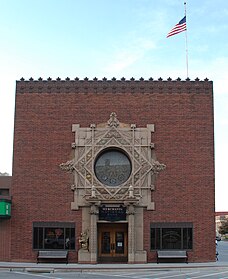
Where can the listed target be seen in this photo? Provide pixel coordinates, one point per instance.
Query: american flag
(178, 28)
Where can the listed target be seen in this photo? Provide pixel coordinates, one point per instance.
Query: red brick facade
(182, 112)
(5, 194)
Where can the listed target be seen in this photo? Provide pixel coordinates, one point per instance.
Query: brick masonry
(182, 112)
(5, 224)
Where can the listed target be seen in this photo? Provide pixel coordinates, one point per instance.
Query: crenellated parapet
(115, 86)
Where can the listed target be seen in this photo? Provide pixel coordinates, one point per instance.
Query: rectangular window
(53, 235)
(4, 192)
(171, 236)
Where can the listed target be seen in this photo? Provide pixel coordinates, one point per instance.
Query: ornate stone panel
(134, 143)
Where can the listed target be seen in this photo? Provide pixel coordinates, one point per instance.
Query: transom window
(53, 236)
(171, 236)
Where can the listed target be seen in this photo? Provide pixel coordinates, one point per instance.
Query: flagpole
(186, 40)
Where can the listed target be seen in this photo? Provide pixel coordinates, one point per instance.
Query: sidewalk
(50, 267)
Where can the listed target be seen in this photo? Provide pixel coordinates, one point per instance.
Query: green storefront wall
(5, 209)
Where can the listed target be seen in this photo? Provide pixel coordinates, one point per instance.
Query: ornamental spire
(113, 121)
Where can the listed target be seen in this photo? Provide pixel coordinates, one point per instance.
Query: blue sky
(114, 38)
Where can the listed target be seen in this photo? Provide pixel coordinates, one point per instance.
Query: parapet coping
(112, 79)
(104, 86)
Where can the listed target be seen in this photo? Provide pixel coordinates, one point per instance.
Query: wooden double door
(112, 242)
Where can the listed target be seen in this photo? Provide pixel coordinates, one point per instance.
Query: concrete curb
(51, 268)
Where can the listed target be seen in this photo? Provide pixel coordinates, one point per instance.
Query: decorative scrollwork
(73, 187)
(68, 166)
(94, 210)
(130, 210)
(157, 167)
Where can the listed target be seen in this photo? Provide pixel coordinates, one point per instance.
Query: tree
(223, 229)
(4, 174)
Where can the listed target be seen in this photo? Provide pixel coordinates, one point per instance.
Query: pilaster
(93, 232)
(131, 233)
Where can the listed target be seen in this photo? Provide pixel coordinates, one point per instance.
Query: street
(222, 248)
(220, 271)
(185, 273)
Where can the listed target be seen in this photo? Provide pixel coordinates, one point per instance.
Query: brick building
(113, 170)
(5, 214)
(220, 217)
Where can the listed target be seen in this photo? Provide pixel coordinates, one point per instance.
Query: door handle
(113, 246)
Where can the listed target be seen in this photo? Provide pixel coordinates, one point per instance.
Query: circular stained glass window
(112, 167)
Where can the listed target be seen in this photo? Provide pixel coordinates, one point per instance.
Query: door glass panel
(105, 243)
(119, 242)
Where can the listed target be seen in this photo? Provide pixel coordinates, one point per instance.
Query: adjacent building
(5, 214)
(220, 217)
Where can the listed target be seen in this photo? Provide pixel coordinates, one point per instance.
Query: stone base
(140, 257)
(84, 256)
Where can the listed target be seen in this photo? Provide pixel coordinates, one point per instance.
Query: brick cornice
(114, 86)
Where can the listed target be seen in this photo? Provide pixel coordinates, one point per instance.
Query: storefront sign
(112, 213)
(5, 209)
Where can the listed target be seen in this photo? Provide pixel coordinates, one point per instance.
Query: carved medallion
(111, 158)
